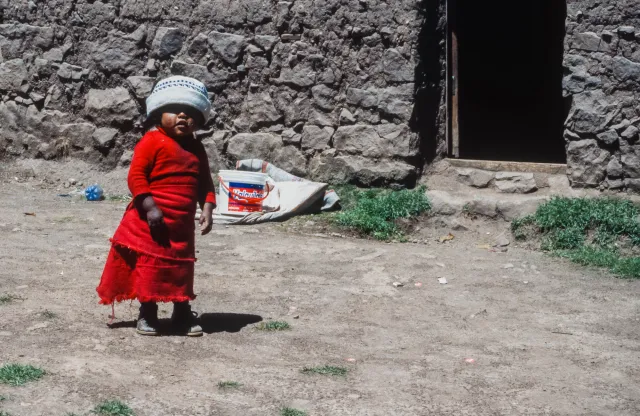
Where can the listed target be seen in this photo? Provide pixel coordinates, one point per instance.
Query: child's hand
(206, 218)
(155, 217)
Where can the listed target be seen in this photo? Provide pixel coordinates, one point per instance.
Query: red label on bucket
(238, 194)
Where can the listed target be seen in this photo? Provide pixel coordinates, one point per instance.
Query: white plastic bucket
(241, 192)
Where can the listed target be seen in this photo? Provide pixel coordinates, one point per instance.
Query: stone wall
(322, 88)
(602, 82)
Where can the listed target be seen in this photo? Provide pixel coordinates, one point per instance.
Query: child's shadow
(210, 322)
(226, 322)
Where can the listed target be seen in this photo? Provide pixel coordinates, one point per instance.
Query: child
(152, 254)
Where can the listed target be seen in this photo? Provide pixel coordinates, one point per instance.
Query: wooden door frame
(452, 96)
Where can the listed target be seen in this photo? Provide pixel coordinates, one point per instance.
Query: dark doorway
(509, 85)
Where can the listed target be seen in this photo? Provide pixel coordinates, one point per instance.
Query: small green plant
(3, 413)
(598, 232)
(49, 315)
(113, 408)
(274, 326)
(288, 411)
(3, 398)
(373, 211)
(327, 370)
(119, 198)
(63, 220)
(5, 299)
(18, 374)
(229, 385)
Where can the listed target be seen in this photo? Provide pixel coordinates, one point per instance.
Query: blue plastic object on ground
(94, 193)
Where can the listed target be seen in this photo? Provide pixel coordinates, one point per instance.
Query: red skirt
(138, 266)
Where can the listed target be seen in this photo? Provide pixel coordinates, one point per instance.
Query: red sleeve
(144, 156)
(206, 189)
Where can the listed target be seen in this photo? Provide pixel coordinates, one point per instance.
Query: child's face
(180, 121)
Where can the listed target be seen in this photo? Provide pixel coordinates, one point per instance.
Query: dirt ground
(515, 333)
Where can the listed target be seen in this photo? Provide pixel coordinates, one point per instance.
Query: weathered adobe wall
(602, 79)
(321, 88)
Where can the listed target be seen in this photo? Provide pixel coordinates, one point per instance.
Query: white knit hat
(180, 90)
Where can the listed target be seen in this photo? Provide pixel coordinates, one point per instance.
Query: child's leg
(148, 319)
(184, 320)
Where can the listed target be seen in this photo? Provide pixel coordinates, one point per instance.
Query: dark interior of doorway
(510, 79)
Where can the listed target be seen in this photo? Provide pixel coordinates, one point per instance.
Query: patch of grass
(602, 232)
(118, 198)
(326, 370)
(49, 315)
(5, 299)
(229, 385)
(288, 411)
(3, 413)
(372, 212)
(274, 326)
(18, 374)
(63, 220)
(113, 408)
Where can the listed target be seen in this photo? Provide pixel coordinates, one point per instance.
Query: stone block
(118, 53)
(13, 74)
(104, 137)
(299, 77)
(78, 135)
(633, 185)
(260, 110)
(609, 137)
(443, 203)
(266, 42)
(512, 209)
(625, 69)
(317, 138)
(110, 106)
(614, 168)
(515, 182)
(485, 207)
(253, 146)
(213, 79)
(359, 170)
(631, 165)
(475, 177)
(630, 134)
(125, 159)
(589, 111)
(590, 42)
(395, 67)
(290, 159)
(362, 98)
(142, 86)
(323, 97)
(346, 118)
(167, 42)
(227, 46)
(68, 72)
(586, 163)
(384, 140)
(290, 136)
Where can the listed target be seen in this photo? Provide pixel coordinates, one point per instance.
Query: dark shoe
(185, 321)
(148, 319)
